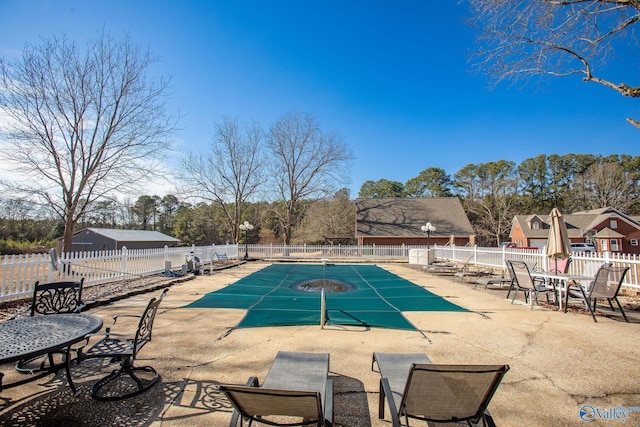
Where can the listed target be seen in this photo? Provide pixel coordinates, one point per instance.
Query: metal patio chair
(124, 348)
(605, 285)
(522, 280)
(52, 298)
(414, 388)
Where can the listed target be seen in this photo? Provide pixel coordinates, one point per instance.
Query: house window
(633, 242)
(614, 245)
(604, 245)
(614, 224)
(535, 225)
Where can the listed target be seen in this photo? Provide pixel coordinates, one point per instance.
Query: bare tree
(231, 173)
(306, 164)
(607, 184)
(329, 221)
(489, 191)
(524, 38)
(82, 123)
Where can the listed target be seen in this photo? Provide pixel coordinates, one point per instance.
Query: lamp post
(246, 227)
(428, 228)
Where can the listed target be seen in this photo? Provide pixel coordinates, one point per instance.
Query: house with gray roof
(98, 239)
(397, 221)
(609, 229)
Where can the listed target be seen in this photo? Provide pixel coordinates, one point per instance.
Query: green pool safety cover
(289, 294)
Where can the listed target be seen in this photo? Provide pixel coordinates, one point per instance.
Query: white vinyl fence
(18, 273)
(536, 258)
(341, 252)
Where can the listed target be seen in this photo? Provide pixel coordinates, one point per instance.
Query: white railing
(342, 252)
(536, 258)
(18, 273)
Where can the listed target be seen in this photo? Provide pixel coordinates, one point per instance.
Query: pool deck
(559, 361)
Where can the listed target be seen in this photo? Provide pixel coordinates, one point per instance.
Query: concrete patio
(559, 362)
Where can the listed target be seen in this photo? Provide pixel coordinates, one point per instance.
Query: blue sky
(393, 79)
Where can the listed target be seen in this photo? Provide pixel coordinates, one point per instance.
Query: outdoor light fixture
(246, 227)
(428, 228)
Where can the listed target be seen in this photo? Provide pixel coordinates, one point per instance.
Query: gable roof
(131, 235)
(607, 233)
(403, 217)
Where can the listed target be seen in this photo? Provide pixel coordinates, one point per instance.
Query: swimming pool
(356, 294)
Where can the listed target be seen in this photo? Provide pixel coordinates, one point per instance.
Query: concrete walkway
(559, 362)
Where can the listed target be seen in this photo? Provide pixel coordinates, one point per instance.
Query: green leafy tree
(169, 206)
(560, 178)
(431, 182)
(380, 189)
(534, 179)
(145, 210)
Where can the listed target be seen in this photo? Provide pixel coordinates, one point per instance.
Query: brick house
(608, 228)
(397, 221)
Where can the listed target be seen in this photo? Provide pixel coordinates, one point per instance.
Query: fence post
(504, 258)
(51, 273)
(124, 260)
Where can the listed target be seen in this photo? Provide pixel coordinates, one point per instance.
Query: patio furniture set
(597, 282)
(43, 342)
(297, 385)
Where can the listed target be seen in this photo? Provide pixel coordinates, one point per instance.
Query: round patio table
(30, 337)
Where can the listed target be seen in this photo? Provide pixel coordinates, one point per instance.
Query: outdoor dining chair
(52, 298)
(128, 380)
(606, 285)
(522, 280)
(414, 388)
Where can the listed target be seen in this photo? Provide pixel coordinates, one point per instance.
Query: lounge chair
(447, 268)
(415, 388)
(296, 386)
(606, 285)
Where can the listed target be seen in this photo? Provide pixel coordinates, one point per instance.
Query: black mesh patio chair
(52, 298)
(605, 285)
(128, 380)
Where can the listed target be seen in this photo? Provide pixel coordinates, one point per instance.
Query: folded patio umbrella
(558, 244)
